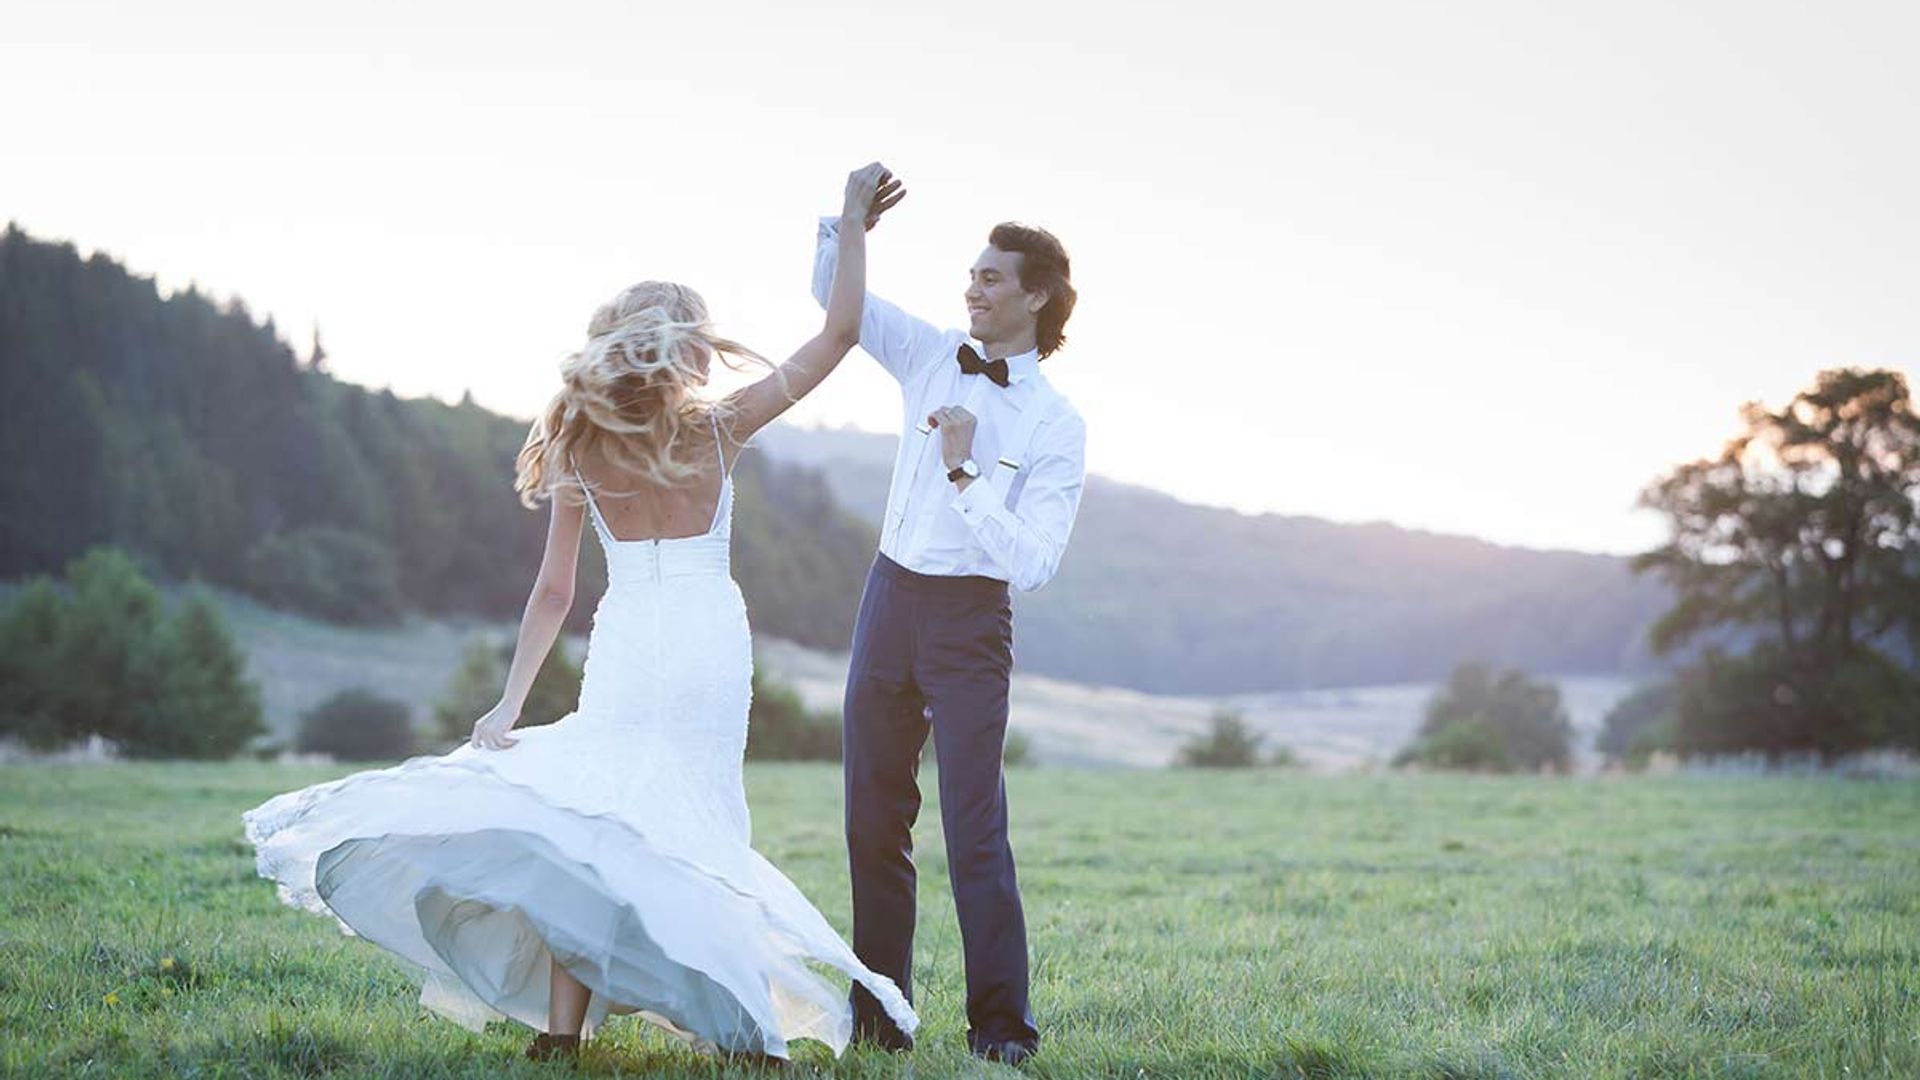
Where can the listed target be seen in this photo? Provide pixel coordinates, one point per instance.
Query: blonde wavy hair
(629, 393)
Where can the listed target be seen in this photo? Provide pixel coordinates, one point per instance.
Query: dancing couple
(602, 864)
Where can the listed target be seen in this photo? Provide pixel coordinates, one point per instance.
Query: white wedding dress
(615, 839)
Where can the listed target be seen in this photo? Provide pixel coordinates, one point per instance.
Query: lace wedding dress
(615, 839)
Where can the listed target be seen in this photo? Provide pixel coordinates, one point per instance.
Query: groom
(986, 484)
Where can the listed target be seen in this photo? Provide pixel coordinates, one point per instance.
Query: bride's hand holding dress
(490, 731)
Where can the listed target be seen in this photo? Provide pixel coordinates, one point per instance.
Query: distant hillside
(1167, 597)
(187, 433)
(192, 435)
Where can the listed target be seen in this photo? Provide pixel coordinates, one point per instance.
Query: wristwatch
(965, 468)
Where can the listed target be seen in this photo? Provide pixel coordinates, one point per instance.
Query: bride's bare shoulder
(624, 469)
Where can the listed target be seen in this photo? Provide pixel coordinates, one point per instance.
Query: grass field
(1183, 925)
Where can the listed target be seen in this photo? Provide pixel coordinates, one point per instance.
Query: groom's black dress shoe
(1011, 1053)
(883, 1036)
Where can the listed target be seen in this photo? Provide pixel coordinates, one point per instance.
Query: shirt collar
(1019, 366)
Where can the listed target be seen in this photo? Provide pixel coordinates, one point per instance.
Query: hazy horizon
(1480, 270)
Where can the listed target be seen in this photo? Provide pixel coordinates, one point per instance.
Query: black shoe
(545, 1047)
(883, 1036)
(1011, 1053)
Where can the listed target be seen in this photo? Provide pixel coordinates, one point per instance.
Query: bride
(601, 864)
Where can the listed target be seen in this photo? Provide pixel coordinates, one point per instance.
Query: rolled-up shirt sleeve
(1026, 542)
(902, 343)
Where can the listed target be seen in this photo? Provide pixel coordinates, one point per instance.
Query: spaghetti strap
(723, 504)
(593, 507)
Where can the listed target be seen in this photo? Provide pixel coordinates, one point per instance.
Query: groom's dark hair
(1043, 268)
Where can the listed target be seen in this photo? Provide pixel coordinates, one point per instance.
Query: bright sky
(1483, 268)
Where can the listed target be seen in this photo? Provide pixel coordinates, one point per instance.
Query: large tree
(1803, 539)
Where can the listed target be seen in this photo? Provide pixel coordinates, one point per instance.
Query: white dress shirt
(1012, 522)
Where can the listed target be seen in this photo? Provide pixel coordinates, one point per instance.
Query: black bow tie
(971, 364)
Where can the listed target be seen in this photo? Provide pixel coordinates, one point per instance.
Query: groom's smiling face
(999, 310)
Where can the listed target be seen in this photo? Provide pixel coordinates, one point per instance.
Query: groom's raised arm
(903, 344)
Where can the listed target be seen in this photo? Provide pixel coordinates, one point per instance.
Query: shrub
(1497, 723)
(1018, 749)
(1472, 745)
(781, 728)
(1228, 744)
(482, 676)
(475, 688)
(357, 725)
(1639, 725)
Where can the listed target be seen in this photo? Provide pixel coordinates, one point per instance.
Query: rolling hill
(1164, 596)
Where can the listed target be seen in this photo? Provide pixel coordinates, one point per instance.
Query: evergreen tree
(203, 705)
(104, 671)
(108, 660)
(31, 632)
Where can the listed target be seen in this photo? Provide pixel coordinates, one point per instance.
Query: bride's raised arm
(871, 192)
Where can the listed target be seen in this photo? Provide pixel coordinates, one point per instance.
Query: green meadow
(1183, 924)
